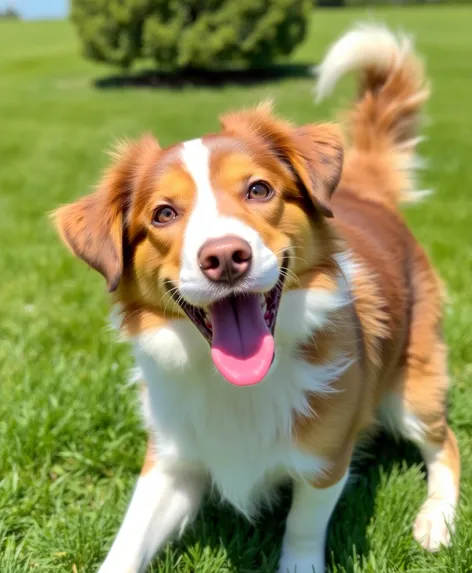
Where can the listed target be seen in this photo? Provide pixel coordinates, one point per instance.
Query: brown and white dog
(278, 307)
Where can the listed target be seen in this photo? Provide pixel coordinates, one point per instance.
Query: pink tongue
(242, 347)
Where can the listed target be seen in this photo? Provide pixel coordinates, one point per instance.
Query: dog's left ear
(93, 227)
(314, 152)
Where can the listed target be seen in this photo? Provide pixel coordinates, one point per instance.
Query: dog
(278, 307)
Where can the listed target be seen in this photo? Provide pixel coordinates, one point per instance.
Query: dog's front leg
(165, 499)
(303, 548)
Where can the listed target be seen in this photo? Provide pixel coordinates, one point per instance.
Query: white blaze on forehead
(195, 156)
(205, 222)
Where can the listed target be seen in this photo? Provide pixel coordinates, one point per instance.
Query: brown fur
(392, 330)
(314, 152)
(143, 176)
(397, 294)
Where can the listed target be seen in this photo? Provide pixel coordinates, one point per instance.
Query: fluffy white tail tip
(365, 46)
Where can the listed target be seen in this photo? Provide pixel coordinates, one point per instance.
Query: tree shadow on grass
(205, 78)
(256, 548)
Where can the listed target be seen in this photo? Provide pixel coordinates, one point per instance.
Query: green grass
(71, 442)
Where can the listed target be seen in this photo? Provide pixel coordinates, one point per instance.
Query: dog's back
(405, 334)
(379, 170)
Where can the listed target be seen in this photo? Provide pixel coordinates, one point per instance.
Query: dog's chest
(242, 436)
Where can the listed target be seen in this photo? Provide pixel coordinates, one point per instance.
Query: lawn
(71, 442)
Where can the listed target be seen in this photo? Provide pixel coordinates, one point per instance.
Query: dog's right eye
(163, 215)
(259, 191)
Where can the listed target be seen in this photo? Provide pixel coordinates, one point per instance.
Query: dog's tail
(383, 123)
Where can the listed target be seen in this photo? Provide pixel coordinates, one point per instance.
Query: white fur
(207, 223)
(370, 46)
(441, 481)
(435, 521)
(243, 436)
(305, 535)
(366, 46)
(164, 501)
(400, 421)
(240, 437)
(303, 312)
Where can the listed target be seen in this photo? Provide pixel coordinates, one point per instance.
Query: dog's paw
(301, 562)
(434, 524)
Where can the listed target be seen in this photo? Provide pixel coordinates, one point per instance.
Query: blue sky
(38, 9)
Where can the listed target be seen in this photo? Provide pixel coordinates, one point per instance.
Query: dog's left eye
(163, 215)
(259, 191)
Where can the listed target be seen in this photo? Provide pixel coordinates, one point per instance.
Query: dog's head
(213, 229)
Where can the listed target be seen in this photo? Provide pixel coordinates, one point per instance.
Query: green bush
(179, 34)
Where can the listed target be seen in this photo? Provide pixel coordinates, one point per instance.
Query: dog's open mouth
(240, 330)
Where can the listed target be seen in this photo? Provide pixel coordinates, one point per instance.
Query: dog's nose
(225, 260)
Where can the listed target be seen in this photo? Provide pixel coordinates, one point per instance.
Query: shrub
(179, 34)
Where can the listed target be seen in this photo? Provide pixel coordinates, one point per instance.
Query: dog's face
(213, 229)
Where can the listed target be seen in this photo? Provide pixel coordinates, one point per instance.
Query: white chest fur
(241, 436)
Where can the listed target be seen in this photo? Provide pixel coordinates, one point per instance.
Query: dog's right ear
(93, 226)
(313, 152)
